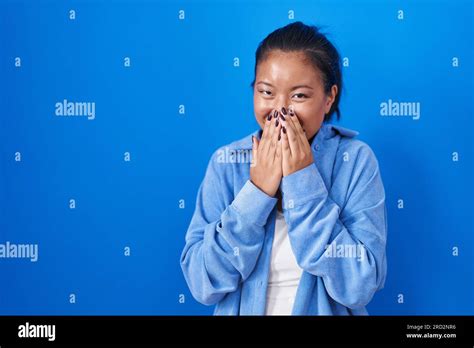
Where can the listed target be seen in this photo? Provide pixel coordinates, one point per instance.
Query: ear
(331, 98)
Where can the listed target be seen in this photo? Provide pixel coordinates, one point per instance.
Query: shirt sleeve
(345, 246)
(225, 236)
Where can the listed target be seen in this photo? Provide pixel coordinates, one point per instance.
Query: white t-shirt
(285, 272)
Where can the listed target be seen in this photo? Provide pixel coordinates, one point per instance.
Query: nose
(282, 102)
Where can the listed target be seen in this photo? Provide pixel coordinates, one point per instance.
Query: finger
(266, 125)
(288, 119)
(275, 136)
(254, 151)
(290, 132)
(269, 151)
(279, 148)
(265, 133)
(285, 145)
(296, 123)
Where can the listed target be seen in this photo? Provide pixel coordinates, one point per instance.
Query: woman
(302, 229)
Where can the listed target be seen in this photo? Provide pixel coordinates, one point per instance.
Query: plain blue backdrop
(190, 62)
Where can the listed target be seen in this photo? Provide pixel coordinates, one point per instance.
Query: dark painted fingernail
(284, 129)
(292, 113)
(279, 137)
(283, 110)
(269, 117)
(275, 114)
(276, 123)
(283, 117)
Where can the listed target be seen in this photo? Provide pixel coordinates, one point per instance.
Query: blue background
(190, 62)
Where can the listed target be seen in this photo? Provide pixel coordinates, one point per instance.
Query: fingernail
(284, 129)
(269, 117)
(283, 110)
(283, 117)
(276, 123)
(292, 113)
(279, 137)
(275, 114)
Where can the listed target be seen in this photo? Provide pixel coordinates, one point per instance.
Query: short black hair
(298, 36)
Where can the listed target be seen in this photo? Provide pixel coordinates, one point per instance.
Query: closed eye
(264, 91)
(269, 93)
(302, 95)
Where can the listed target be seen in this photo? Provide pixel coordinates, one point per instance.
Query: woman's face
(288, 78)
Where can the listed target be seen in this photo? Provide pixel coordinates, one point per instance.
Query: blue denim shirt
(337, 225)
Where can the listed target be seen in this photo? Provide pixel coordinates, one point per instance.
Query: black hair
(319, 50)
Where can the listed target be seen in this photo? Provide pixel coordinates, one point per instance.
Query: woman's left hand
(296, 150)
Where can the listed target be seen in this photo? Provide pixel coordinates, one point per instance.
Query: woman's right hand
(266, 168)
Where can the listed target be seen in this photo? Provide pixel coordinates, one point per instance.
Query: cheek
(306, 116)
(260, 110)
(310, 117)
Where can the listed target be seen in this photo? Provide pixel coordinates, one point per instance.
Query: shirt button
(317, 147)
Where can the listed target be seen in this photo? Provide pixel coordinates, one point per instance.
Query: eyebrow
(293, 88)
